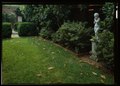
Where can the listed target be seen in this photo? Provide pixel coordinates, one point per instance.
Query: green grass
(26, 61)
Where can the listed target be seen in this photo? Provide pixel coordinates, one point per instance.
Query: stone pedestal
(93, 52)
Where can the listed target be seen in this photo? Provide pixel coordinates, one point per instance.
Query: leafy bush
(52, 16)
(74, 35)
(47, 30)
(27, 29)
(105, 48)
(47, 16)
(6, 30)
(108, 10)
(46, 33)
(18, 12)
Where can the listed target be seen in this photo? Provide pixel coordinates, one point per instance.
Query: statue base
(93, 52)
(94, 57)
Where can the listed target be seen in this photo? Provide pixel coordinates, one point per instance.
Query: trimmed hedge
(27, 29)
(6, 30)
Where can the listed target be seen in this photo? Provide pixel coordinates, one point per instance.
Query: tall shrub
(42, 14)
(105, 48)
(6, 30)
(108, 22)
(27, 29)
(49, 18)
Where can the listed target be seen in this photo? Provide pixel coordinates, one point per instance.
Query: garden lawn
(33, 60)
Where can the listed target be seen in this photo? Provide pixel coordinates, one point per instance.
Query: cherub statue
(96, 22)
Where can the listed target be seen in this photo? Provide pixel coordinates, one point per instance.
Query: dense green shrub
(16, 26)
(47, 16)
(105, 48)
(74, 35)
(6, 30)
(27, 29)
(46, 33)
(18, 12)
(108, 22)
(51, 17)
(47, 30)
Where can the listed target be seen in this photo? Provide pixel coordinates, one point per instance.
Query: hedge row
(6, 30)
(23, 29)
(26, 29)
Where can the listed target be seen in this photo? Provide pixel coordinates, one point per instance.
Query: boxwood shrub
(6, 30)
(27, 29)
(74, 35)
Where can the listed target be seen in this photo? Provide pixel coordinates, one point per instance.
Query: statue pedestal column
(94, 54)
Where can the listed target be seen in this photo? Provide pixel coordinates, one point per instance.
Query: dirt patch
(99, 65)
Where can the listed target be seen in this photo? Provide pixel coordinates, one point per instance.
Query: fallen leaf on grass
(52, 52)
(80, 60)
(39, 75)
(81, 73)
(102, 76)
(50, 68)
(94, 73)
(64, 65)
(65, 49)
(59, 81)
(43, 48)
(70, 77)
(102, 81)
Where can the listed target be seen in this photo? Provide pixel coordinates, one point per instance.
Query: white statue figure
(96, 28)
(96, 22)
